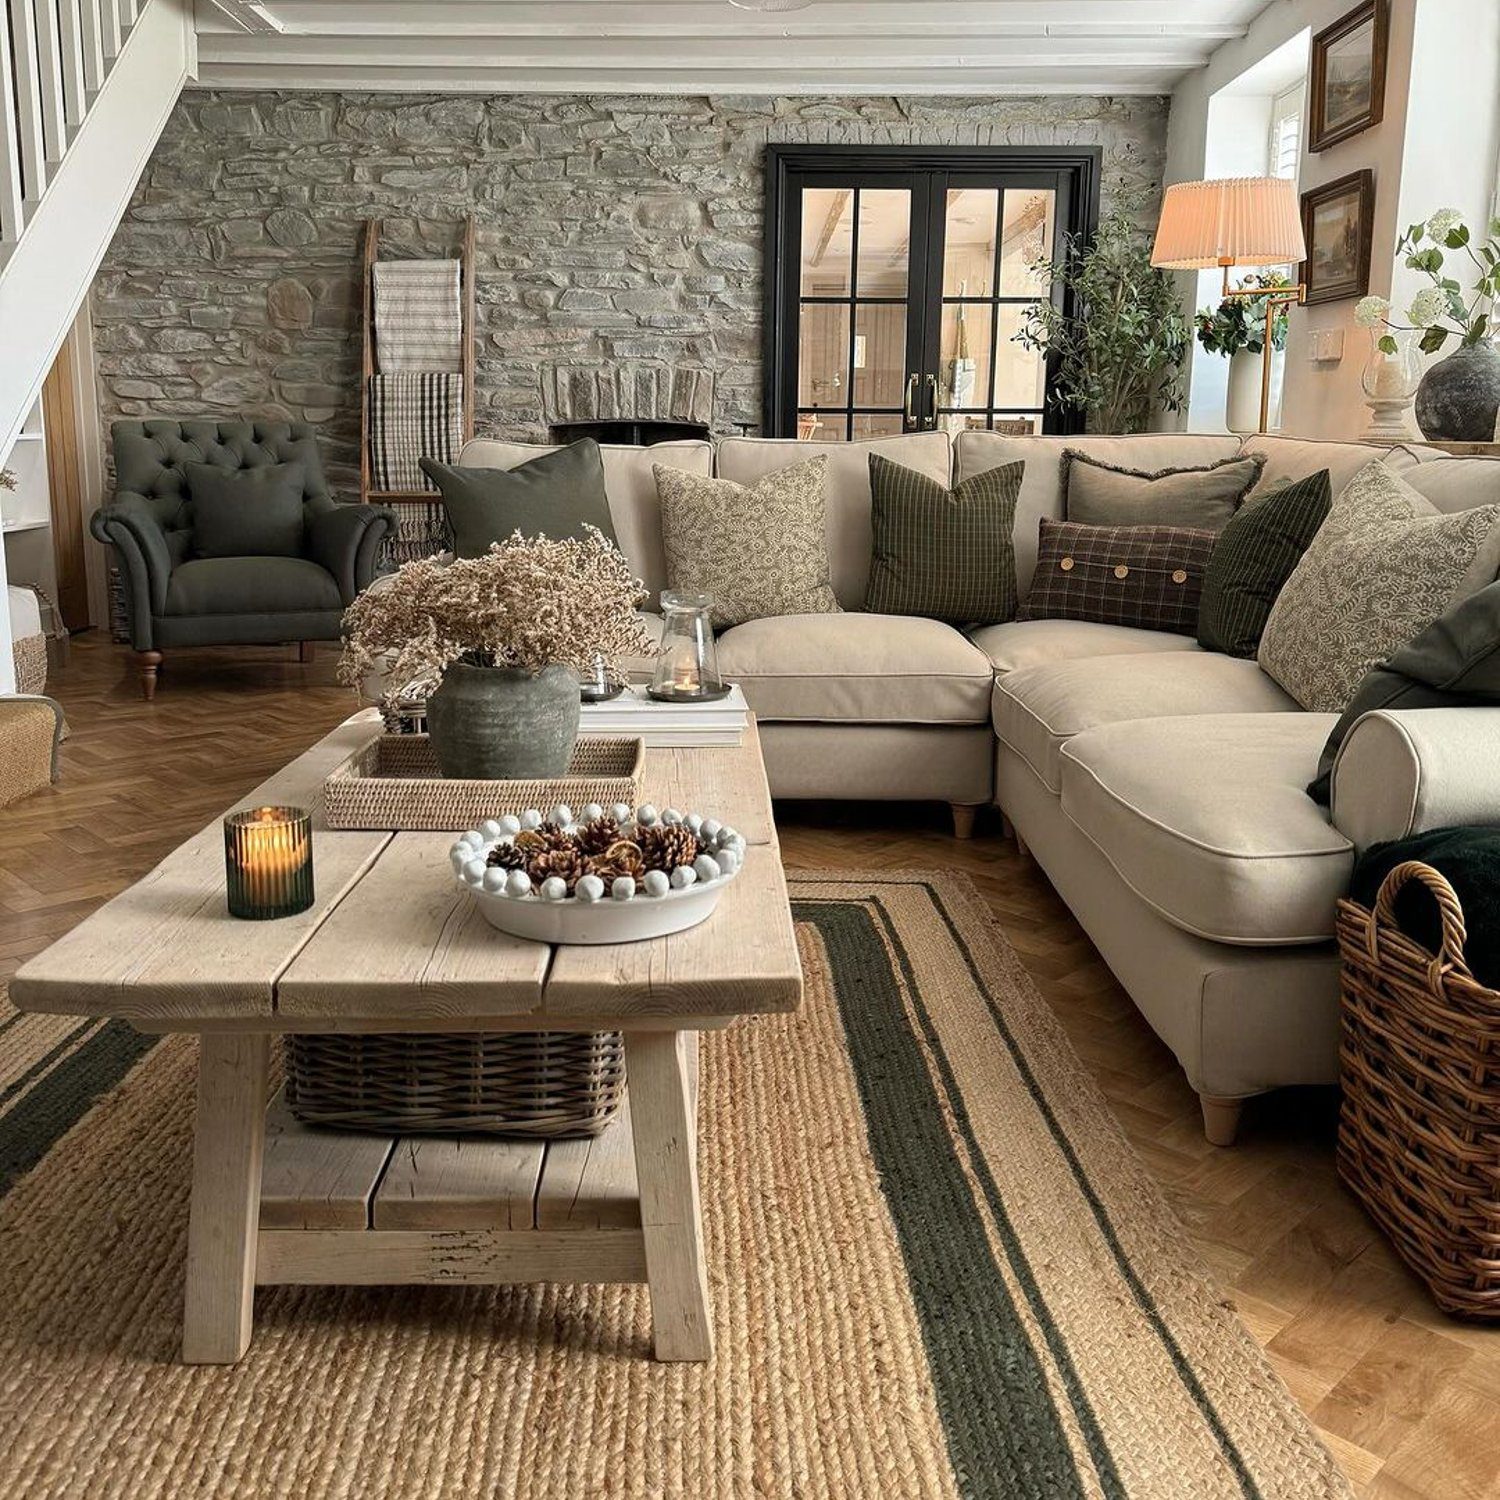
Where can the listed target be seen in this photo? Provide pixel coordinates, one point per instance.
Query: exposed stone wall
(612, 230)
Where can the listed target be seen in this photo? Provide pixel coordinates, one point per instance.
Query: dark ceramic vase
(1458, 397)
(501, 724)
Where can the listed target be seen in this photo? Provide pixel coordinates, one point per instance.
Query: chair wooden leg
(964, 814)
(1221, 1118)
(304, 650)
(148, 662)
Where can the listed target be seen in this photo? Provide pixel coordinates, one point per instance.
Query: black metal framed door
(896, 278)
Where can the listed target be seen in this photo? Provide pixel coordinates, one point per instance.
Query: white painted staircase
(86, 87)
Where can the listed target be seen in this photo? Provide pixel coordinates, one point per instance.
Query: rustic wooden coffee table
(392, 945)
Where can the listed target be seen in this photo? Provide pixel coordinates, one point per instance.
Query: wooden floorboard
(1408, 1399)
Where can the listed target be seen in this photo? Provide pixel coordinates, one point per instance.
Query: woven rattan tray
(392, 782)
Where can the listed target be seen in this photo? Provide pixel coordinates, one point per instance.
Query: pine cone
(664, 846)
(596, 837)
(508, 857)
(621, 858)
(567, 863)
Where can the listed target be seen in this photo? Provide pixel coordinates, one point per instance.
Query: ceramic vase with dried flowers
(497, 644)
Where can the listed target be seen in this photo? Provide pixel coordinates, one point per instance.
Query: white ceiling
(710, 46)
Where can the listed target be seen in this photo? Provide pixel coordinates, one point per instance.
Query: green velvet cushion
(1454, 663)
(247, 512)
(556, 496)
(1257, 551)
(251, 586)
(945, 554)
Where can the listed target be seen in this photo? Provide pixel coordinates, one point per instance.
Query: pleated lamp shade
(1232, 221)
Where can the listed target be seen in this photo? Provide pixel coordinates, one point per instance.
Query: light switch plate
(1326, 345)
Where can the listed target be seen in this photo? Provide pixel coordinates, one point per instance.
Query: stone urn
(502, 723)
(1459, 396)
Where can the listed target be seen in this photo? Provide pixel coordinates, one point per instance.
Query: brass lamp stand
(1281, 297)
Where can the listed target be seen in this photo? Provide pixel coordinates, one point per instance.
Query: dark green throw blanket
(1469, 859)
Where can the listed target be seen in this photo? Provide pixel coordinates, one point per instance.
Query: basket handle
(1451, 952)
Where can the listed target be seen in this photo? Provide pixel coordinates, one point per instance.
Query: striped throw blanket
(418, 320)
(413, 415)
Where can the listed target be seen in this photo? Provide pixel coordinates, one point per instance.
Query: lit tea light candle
(268, 862)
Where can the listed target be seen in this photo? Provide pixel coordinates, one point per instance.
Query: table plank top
(392, 943)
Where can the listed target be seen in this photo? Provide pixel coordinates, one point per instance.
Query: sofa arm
(346, 539)
(129, 525)
(1404, 771)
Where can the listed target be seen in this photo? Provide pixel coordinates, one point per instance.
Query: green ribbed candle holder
(268, 868)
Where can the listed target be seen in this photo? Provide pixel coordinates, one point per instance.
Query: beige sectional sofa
(1158, 785)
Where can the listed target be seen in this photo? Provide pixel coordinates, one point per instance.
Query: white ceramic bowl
(629, 918)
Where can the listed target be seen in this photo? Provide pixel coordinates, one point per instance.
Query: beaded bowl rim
(473, 847)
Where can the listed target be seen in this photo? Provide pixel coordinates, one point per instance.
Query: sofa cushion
(1039, 709)
(1041, 485)
(1456, 483)
(629, 486)
(1383, 567)
(247, 512)
(1029, 643)
(251, 586)
(858, 668)
(1289, 459)
(748, 460)
(754, 551)
(948, 554)
(554, 495)
(1203, 496)
(1147, 577)
(1205, 818)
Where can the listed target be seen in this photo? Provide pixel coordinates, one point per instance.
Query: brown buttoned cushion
(1150, 577)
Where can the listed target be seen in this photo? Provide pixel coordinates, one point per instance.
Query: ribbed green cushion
(946, 554)
(1257, 551)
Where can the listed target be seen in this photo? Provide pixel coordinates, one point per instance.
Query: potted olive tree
(496, 644)
(1118, 338)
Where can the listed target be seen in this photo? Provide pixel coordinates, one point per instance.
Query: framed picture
(1336, 223)
(1348, 76)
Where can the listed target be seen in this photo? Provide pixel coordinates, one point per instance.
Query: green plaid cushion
(1257, 552)
(946, 554)
(1146, 576)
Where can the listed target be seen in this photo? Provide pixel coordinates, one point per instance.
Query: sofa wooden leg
(964, 814)
(304, 650)
(1221, 1118)
(148, 662)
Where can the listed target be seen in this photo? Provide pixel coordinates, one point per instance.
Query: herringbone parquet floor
(1409, 1400)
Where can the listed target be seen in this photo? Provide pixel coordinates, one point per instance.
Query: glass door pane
(996, 243)
(853, 327)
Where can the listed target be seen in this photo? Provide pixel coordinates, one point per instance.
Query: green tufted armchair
(175, 599)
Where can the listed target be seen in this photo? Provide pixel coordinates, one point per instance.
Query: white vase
(1242, 403)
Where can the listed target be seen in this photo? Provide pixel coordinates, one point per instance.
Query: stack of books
(668, 725)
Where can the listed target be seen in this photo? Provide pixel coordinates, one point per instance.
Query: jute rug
(937, 1270)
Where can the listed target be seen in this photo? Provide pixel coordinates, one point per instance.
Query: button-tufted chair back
(150, 455)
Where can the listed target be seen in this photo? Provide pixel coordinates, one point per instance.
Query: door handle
(910, 407)
(932, 400)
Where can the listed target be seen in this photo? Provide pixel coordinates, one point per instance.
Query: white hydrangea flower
(1369, 312)
(1427, 307)
(1443, 223)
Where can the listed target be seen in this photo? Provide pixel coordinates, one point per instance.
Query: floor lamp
(1235, 221)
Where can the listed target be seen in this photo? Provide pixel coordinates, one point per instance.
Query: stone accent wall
(613, 231)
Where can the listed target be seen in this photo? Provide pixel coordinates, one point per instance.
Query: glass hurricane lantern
(687, 664)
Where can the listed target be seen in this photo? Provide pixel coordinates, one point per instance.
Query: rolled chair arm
(129, 525)
(346, 539)
(1405, 771)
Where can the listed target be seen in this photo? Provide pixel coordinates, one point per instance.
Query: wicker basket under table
(510, 1083)
(1419, 1131)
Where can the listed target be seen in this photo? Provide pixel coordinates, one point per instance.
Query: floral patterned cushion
(758, 551)
(1383, 567)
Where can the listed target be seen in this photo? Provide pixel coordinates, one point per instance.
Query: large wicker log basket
(1419, 1132)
